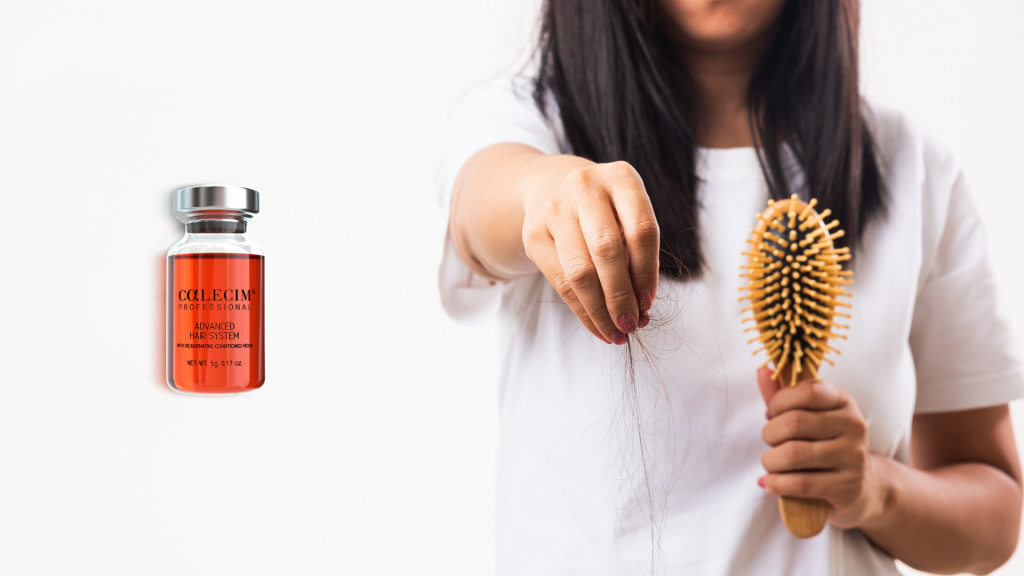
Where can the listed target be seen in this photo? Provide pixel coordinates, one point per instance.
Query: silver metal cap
(215, 201)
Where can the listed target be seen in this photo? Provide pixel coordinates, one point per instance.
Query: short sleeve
(492, 113)
(965, 342)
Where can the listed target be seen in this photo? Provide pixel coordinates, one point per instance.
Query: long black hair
(624, 94)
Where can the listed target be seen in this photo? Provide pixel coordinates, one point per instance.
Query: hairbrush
(795, 276)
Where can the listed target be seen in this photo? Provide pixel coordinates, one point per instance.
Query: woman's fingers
(545, 256)
(645, 317)
(807, 395)
(640, 230)
(804, 455)
(581, 273)
(821, 485)
(766, 385)
(804, 425)
(600, 230)
(820, 449)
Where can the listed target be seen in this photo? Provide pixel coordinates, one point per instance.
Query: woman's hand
(596, 240)
(588, 227)
(820, 450)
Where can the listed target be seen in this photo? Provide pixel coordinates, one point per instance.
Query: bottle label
(215, 332)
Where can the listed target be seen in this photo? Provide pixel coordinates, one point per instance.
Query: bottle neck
(216, 226)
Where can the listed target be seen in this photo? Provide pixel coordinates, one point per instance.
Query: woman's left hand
(820, 450)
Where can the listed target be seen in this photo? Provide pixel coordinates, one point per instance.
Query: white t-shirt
(931, 331)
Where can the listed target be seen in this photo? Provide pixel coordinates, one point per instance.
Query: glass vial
(215, 294)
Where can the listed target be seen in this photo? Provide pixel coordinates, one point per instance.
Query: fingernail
(768, 414)
(627, 322)
(618, 337)
(760, 481)
(643, 300)
(645, 319)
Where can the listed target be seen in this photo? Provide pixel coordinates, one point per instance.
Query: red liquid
(215, 324)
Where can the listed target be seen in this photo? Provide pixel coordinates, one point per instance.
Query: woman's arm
(956, 509)
(959, 508)
(589, 228)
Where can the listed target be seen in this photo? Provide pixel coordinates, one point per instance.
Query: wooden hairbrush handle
(803, 517)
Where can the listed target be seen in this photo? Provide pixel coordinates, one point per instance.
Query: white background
(371, 449)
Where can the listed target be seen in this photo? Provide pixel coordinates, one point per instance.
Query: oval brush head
(795, 276)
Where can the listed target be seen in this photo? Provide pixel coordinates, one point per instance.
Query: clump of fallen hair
(647, 500)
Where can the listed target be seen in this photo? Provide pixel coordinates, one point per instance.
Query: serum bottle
(215, 294)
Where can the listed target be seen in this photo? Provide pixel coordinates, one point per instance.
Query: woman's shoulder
(509, 106)
(929, 200)
(498, 111)
(519, 88)
(906, 146)
(510, 97)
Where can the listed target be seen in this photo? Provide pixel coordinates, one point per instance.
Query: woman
(616, 190)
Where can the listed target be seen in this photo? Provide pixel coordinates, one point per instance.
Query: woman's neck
(723, 81)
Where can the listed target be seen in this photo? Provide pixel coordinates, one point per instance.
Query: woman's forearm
(489, 200)
(957, 518)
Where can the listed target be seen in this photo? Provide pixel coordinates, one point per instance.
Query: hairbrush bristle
(796, 276)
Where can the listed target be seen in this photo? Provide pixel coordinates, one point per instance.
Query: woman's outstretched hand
(820, 450)
(596, 239)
